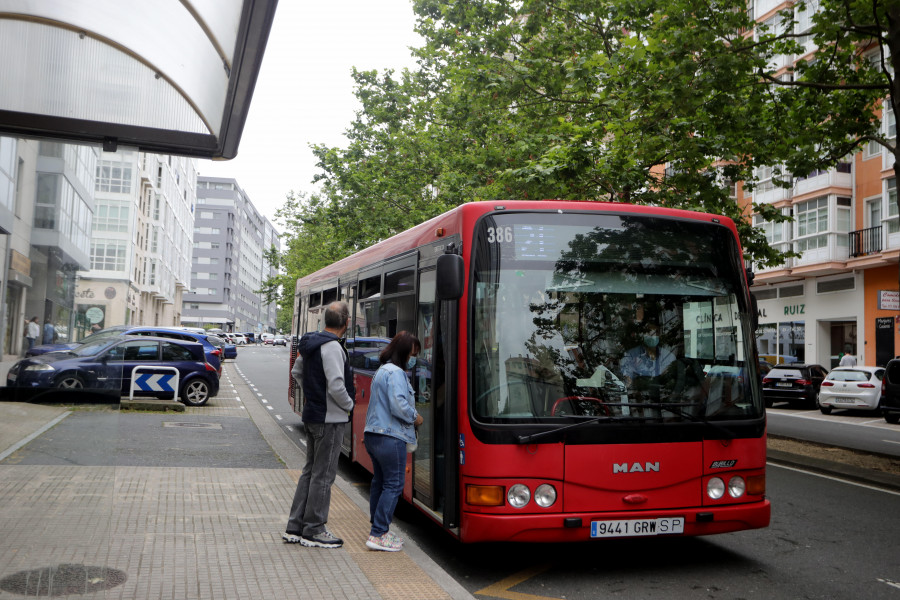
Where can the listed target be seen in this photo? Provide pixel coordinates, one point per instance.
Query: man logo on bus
(636, 467)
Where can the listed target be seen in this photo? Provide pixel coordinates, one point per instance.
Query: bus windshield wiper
(672, 408)
(524, 439)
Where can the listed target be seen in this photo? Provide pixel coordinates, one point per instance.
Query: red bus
(588, 369)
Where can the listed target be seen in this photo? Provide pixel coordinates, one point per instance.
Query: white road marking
(838, 479)
(279, 417)
(889, 582)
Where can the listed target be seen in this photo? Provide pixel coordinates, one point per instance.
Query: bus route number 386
(499, 235)
(637, 527)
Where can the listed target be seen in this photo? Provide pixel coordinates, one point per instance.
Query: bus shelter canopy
(167, 76)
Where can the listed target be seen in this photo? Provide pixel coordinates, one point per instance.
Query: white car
(851, 387)
(239, 339)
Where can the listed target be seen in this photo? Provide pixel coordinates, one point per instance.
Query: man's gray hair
(336, 315)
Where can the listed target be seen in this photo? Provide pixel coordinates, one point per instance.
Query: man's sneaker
(387, 542)
(326, 539)
(291, 538)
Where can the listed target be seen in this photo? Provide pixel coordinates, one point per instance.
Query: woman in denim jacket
(390, 424)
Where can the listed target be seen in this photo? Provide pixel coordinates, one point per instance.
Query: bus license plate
(633, 527)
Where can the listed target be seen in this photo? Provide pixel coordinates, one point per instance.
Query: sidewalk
(177, 533)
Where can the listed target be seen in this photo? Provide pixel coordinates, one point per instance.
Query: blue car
(106, 365)
(213, 345)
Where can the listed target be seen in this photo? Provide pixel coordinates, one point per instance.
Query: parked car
(229, 350)
(795, 383)
(239, 339)
(890, 399)
(851, 387)
(279, 340)
(212, 345)
(106, 364)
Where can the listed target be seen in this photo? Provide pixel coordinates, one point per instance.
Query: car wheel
(195, 392)
(70, 381)
(891, 417)
(825, 410)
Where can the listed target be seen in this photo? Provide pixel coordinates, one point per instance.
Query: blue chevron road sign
(154, 378)
(154, 382)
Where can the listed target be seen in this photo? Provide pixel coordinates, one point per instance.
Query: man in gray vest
(322, 370)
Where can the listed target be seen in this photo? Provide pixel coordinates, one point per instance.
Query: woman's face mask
(411, 362)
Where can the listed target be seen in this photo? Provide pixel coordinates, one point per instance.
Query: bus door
(428, 457)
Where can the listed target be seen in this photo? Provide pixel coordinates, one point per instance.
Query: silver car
(856, 388)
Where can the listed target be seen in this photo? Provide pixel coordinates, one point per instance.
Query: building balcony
(822, 181)
(864, 242)
(771, 194)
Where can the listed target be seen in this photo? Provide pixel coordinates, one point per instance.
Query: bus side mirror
(449, 276)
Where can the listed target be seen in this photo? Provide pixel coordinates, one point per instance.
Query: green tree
(644, 101)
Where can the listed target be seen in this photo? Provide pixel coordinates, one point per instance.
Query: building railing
(865, 241)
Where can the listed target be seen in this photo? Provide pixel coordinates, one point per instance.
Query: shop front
(815, 321)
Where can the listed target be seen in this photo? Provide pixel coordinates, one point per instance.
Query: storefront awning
(168, 76)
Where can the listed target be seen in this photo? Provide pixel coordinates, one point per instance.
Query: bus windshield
(632, 318)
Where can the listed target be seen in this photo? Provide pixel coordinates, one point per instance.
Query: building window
(790, 291)
(812, 224)
(835, 285)
(114, 177)
(45, 204)
(774, 232)
(112, 216)
(108, 255)
(873, 212)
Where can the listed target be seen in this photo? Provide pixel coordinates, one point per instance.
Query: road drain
(192, 425)
(62, 580)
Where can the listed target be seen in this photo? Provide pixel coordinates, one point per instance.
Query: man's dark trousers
(309, 511)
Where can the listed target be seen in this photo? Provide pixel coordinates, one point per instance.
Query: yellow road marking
(501, 588)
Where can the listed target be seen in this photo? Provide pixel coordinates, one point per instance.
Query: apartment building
(46, 204)
(140, 249)
(841, 294)
(229, 266)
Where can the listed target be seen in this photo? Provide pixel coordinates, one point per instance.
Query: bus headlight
(736, 486)
(518, 495)
(545, 495)
(715, 488)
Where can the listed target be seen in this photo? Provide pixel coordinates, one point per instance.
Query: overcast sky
(304, 94)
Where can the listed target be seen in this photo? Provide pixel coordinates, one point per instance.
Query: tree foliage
(645, 101)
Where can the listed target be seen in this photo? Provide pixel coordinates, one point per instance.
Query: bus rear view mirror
(449, 277)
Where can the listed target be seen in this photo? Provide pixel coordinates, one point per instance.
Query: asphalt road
(829, 538)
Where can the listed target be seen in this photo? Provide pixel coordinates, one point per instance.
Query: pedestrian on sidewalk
(389, 433)
(32, 331)
(49, 332)
(323, 372)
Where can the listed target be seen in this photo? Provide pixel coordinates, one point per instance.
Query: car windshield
(94, 346)
(849, 376)
(583, 315)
